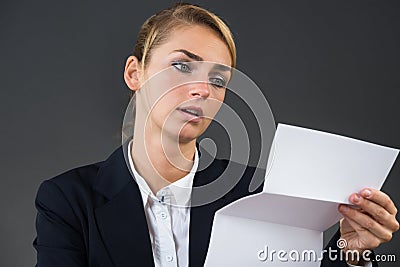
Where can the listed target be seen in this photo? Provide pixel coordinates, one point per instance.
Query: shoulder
(74, 181)
(223, 174)
(240, 173)
(78, 187)
(87, 187)
(251, 178)
(68, 197)
(64, 207)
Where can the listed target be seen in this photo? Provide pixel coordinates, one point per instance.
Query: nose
(200, 89)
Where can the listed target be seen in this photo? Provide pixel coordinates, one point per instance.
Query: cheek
(166, 105)
(221, 95)
(215, 101)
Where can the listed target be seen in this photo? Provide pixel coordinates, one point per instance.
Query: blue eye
(218, 82)
(183, 67)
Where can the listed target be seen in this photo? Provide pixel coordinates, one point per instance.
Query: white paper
(309, 173)
(318, 165)
(234, 246)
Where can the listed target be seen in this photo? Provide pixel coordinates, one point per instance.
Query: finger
(369, 240)
(345, 226)
(366, 222)
(377, 212)
(379, 198)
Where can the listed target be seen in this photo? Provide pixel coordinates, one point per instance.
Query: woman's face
(184, 94)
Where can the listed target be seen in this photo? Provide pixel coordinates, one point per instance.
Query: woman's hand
(370, 223)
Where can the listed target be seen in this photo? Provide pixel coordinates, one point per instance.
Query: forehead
(199, 40)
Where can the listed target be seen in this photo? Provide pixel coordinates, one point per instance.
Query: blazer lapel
(201, 217)
(121, 221)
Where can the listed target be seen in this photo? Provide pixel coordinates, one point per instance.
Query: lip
(191, 117)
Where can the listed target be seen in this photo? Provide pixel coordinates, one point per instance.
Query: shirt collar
(181, 189)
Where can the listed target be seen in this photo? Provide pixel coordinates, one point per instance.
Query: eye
(183, 67)
(218, 82)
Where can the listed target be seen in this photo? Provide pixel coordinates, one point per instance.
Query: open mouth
(195, 111)
(192, 112)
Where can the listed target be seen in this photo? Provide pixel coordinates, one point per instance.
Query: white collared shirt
(168, 216)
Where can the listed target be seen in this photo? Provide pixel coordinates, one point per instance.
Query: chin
(188, 134)
(188, 137)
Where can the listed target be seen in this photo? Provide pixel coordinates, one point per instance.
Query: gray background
(332, 66)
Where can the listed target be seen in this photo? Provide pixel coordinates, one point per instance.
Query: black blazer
(94, 216)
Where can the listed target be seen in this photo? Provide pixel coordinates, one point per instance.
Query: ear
(132, 73)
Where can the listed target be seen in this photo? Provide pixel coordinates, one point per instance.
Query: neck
(161, 160)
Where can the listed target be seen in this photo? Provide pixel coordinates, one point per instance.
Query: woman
(139, 214)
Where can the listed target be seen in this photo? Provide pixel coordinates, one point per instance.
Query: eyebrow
(195, 57)
(222, 67)
(190, 54)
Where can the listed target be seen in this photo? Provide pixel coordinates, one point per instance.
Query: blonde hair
(156, 29)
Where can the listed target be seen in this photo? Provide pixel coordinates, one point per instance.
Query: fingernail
(367, 193)
(356, 198)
